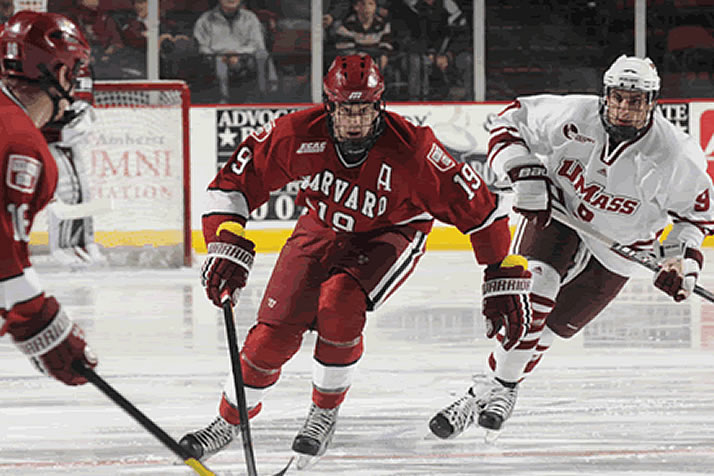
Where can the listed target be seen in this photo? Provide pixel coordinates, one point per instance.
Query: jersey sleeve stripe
(501, 138)
(496, 214)
(19, 288)
(704, 225)
(418, 218)
(514, 105)
(221, 201)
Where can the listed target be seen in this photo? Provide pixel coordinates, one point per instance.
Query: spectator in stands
(288, 28)
(432, 70)
(174, 46)
(333, 13)
(103, 35)
(232, 38)
(365, 31)
(294, 15)
(7, 8)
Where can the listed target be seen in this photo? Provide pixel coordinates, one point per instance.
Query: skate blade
(491, 436)
(303, 461)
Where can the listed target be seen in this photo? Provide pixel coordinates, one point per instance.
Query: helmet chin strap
(48, 81)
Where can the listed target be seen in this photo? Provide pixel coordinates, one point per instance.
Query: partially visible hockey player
(373, 184)
(615, 163)
(41, 54)
(71, 241)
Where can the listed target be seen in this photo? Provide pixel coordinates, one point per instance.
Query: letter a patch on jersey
(440, 158)
(23, 172)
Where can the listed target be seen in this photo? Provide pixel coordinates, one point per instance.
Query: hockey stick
(142, 419)
(66, 211)
(240, 388)
(631, 254)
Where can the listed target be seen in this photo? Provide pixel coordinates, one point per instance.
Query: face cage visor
(355, 127)
(623, 117)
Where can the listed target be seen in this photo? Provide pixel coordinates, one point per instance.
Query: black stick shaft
(135, 413)
(240, 388)
(622, 250)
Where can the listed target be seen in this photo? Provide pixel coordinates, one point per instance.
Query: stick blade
(285, 469)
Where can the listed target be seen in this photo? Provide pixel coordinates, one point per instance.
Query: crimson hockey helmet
(353, 78)
(35, 45)
(627, 74)
(353, 88)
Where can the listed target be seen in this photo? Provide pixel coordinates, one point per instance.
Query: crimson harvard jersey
(408, 178)
(29, 177)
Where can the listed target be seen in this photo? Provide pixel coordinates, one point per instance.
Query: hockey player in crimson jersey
(41, 54)
(615, 163)
(373, 184)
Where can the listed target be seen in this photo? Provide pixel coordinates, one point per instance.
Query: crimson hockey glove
(506, 299)
(530, 182)
(42, 331)
(680, 269)
(227, 265)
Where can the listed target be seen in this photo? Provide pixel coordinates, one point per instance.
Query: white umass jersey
(629, 193)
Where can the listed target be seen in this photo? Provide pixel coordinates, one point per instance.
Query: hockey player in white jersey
(615, 163)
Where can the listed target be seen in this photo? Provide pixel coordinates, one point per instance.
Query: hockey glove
(227, 264)
(680, 269)
(42, 331)
(506, 299)
(530, 182)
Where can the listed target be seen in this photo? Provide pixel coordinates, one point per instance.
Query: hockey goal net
(136, 157)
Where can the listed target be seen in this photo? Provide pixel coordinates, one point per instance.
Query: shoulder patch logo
(312, 147)
(439, 158)
(571, 132)
(23, 172)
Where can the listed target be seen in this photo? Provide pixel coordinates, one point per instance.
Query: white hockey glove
(681, 265)
(530, 183)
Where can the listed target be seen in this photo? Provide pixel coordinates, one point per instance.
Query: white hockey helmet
(630, 73)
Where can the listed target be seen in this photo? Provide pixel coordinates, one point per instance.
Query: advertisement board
(140, 168)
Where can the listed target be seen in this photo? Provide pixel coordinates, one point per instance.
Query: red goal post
(138, 155)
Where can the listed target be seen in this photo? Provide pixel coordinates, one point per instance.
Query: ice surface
(633, 394)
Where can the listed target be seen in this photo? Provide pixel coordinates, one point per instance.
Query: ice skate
(498, 409)
(314, 437)
(206, 442)
(486, 393)
(453, 420)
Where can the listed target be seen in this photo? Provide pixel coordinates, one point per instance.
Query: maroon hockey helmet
(353, 88)
(34, 45)
(353, 78)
